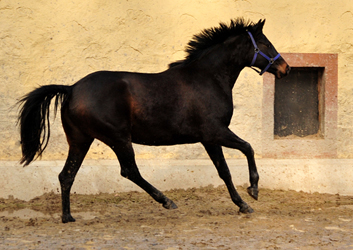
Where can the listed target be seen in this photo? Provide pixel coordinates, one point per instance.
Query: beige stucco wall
(59, 42)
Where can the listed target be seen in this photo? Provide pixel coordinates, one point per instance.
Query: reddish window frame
(323, 147)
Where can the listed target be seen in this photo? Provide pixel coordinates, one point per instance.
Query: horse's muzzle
(282, 70)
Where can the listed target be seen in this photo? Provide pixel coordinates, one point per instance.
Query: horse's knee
(247, 149)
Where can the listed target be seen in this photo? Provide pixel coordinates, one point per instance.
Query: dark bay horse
(190, 102)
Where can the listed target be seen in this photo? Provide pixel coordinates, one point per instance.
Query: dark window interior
(297, 102)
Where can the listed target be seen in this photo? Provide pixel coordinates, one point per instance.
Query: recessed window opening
(299, 104)
(308, 127)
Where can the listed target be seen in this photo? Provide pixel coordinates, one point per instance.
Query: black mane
(212, 36)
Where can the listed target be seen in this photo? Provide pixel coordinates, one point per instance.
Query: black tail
(34, 119)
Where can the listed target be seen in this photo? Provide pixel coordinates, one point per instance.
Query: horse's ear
(259, 26)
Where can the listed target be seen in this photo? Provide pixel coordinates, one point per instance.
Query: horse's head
(263, 54)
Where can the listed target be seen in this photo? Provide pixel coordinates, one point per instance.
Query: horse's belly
(159, 137)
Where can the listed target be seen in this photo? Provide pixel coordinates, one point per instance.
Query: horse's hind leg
(130, 171)
(77, 152)
(217, 157)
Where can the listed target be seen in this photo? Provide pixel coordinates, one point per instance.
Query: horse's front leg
(228, 139)
(217, 157)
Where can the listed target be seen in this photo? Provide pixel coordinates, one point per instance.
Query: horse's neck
(223, 75)
(220, 67)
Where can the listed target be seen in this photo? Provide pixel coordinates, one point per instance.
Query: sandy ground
(206, 219)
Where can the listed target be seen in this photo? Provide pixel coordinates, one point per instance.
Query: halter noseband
(258, 51)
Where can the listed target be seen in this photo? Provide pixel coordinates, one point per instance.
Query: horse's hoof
(67, 218)
(246, 209)
(253, 192)
(170, 205)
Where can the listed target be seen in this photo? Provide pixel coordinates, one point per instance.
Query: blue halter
(258, 51)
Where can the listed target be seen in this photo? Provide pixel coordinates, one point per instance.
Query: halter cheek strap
(258, 51)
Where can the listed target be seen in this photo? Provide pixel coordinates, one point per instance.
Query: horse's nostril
(288, 69)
